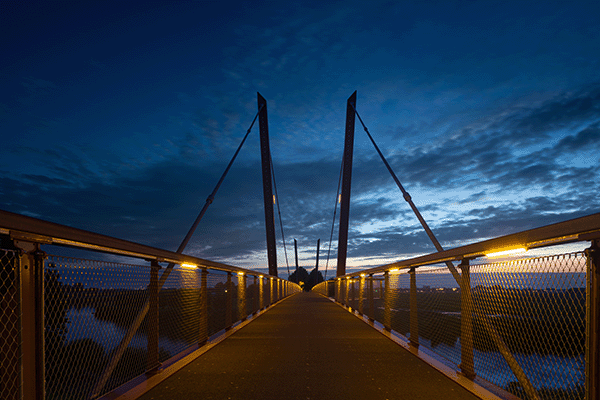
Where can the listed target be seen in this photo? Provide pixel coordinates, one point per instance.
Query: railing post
(241, 297)
(203, 334)
(467, 365)
(152, 363)
(414, 309)
(347, 293)
(593, 322)
(228, 303)
(387, 312)
(361, 294)
(261, 293)
(256, 295)
(380, 289)
(371, 300)
(32, 320)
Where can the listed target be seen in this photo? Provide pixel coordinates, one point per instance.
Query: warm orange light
(394, 271)
(506, 252)
(240, 273)
(184, 265)
(362, 275)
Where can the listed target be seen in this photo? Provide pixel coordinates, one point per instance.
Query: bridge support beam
(203, 333)
(346, 181)
(32, 320)
(593, 322)
(414, 309)
(265, 155)
(152, 363)
(467, 364)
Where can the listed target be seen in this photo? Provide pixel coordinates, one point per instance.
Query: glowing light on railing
(260, 276)
(240, 273)
(362, 275)
(185, 265)
(394, 271)
(506, 252)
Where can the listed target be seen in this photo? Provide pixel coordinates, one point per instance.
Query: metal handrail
(28, 234)
(35, 230)
(578, 229)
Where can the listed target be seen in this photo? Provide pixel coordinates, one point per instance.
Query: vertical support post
(256, 305)
(152, 363)
(265, 155)
(347, 293)
(467, 365)
(241, 297)
(336, 293)
(261, 292)
(296, 252)
(361, 294)
(387, 309)
(592, 357)
(317, 261)
(272, 290)
(228, 303)
(414, 309)
(203, 334)
(346, 182)
(371, 300)
(32, 320)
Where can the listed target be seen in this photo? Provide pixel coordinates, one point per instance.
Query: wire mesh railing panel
(179, 311)
(536, 307)
(396, 304)
(10, 326)
(217, 286)
(439, 312)
(89, 305)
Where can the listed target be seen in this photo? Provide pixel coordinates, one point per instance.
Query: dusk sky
(120, 117)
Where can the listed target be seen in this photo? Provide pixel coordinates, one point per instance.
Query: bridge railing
(524, 327)
(79, 328)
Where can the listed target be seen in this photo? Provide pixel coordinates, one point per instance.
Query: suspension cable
(334, 212)
(279, 212)
(211, 197)
(408, 199)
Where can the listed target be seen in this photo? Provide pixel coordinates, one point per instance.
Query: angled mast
(346, 181)
(265, 155)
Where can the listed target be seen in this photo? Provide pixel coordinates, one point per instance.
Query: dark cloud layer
(122, 123)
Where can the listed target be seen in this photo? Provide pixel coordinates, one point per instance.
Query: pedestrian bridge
(76, 322)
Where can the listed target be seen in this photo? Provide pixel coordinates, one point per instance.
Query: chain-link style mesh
(10, 331)
(530, 312)
(537, 307)
(91, 307)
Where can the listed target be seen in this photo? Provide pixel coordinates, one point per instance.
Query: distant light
(185, 265)
(340, 199)
(394, 271)
(506, 252)
(240, 273)
(274, 202)
(362, 275)
(260, 276)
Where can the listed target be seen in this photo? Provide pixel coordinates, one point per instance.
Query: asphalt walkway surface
(307, 347)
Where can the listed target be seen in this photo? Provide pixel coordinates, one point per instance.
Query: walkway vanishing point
(307, 347)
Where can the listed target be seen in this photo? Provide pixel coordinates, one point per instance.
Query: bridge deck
(307, 347)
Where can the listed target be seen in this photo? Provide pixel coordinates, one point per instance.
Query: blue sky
(119, 118)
